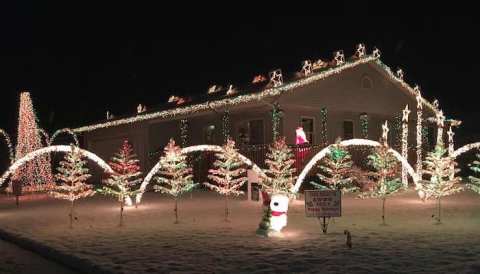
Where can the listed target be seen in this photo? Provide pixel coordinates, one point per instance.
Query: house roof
(251, 93)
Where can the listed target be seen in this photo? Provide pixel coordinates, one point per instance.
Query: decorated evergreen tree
(387, 181)
(474, 182)
(125, 176)
(280, 170)
(336, 171)
(228, 174)
(73, 176)
(35, 175)
(174, 177)
(438, 165)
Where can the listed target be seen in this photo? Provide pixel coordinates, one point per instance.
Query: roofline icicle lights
(269, 92)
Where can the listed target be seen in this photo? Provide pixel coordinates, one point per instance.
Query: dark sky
(77, 65)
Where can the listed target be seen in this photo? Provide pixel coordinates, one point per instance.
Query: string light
(184, 132)
(52, 149)
(67, 131)
(364, 125)
(419, 131)
(323, 123)
(8, 142)
(356, 142)
(276, 116)
(440, 124)
(405, 114)
(226, 125)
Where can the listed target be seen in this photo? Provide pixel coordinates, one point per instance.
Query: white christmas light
(47, 150)
(355, 142)
(339, 58)
(249, 97)
(440, 124)
(8, 142)
(360, 51)
(276, 78)
(465, 148)
(419, 131)
(307, 68)
(64, 130)
(406, 112)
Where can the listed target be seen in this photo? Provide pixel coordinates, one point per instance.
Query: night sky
(78, 65)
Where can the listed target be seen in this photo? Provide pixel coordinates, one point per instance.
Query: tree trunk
(176, 210)
(71, 214)
(121, 212)
(439, 208)
(226, 208)
(383, 211)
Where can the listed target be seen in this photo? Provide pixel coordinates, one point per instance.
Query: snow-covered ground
(202, 243)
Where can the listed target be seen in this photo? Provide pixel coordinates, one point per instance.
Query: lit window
(367, 82)
(347, 130)
(308, 127)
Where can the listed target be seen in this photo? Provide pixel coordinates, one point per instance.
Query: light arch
(190, 149)
(354, 142)
(466, 148)
(46, 150)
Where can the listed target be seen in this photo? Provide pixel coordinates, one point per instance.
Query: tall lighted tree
(35, 175)
(438, 165)
(336, 171)
(280, 171)
(125, 176)
(474, 182)
(229, 175)
(72, 175)
(387, 181)
(174, 177)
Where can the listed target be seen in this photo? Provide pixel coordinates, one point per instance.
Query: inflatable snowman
(279, 208)
(275, 215)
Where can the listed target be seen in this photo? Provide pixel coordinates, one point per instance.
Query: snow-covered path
(203, 243)
(15, 260)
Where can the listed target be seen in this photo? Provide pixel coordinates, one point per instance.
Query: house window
(209, 134)
(308, 127)
(347, 130)
(367, 82)
(256, 132)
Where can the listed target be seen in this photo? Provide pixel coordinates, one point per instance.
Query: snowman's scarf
(278, 213)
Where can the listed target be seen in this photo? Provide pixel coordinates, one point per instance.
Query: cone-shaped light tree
(280, 171)
(72, 175)
(229, 175)
(438, 165)
(174, 177)
(336, 171)
(35, 175)
(126, 175)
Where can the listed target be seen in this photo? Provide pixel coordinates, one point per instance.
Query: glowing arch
(64, 130)
(354, 142)
(465, 148)
(190, 149)
(46, 150)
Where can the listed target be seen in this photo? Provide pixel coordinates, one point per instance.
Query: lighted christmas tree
(438, 165)
(174, 177)
(125, 176)
(73, 175)
(474, 182)
(35, 175)
(280, 172)
(386, 174)
(336, 171)
(228, 174)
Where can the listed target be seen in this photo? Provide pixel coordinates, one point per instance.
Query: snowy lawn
(202, 243)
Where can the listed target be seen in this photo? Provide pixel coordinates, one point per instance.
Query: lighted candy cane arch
(6, 137)
(202, 148)
(47, 150)
(356, 142)
(465, 148)
(64, 130)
